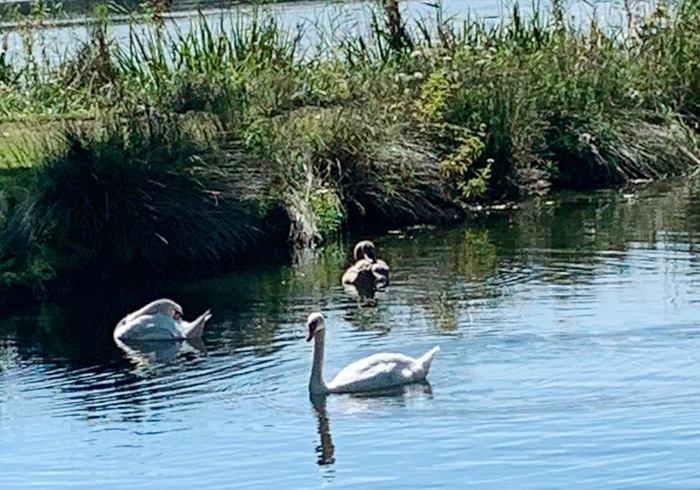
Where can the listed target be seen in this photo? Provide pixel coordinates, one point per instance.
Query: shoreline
(191, 150)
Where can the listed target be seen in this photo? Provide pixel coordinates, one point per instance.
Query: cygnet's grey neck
(316, 383)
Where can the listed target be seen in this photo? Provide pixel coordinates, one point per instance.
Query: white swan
(368, 270)
(376, 372)
(159, 320)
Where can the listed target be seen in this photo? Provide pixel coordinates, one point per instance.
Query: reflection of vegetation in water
(563, 236)
(74, 335)
(477, 255)
(371, 317)
(444, 310)
(318, 270)
(606, 220)
(586, 223)
(474, 261)
(557, 240)
(251, 305)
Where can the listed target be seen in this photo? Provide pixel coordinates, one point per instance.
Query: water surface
(570, 346)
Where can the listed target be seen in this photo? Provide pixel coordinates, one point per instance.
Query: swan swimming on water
(159, 320)
(368, 270)
(373, 373)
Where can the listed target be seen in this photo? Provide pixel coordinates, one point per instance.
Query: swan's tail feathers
(194, 329)
(426, 359)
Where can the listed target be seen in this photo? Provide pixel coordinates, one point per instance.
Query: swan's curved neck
(316, 383)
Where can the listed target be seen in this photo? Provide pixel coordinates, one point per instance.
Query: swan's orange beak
(312, 331)
(177, 316)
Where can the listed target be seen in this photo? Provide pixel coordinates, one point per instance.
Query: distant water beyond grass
(182, 149)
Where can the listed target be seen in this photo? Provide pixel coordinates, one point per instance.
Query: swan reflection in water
(326, 449)
(364, 295)
(146, 354)
(359, 402)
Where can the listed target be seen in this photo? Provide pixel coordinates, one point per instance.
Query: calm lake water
(570, 358)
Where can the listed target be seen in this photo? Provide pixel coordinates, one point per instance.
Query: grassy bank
(189, 149)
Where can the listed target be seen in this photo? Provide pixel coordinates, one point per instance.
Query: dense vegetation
(187, 148)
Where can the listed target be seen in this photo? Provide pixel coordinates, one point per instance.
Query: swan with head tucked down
(159, 320)
(368, 270)
(373, 373)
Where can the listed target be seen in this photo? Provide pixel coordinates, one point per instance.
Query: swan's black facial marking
(177, 312)
(369, 251)
(315, 323)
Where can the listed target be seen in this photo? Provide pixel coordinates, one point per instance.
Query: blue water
(570, 358)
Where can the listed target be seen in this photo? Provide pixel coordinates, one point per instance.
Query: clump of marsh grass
(22, 274)
(347, 166)
(142, 196)
(613, 154)
(665, 46)
(394, 183)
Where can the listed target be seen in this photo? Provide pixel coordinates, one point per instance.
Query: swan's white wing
(193, 330)
(148, 327)
(144, 311)
(374, 373)
(129, 318)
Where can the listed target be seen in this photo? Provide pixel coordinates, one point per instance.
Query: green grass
(362, 131)
(25, 145)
